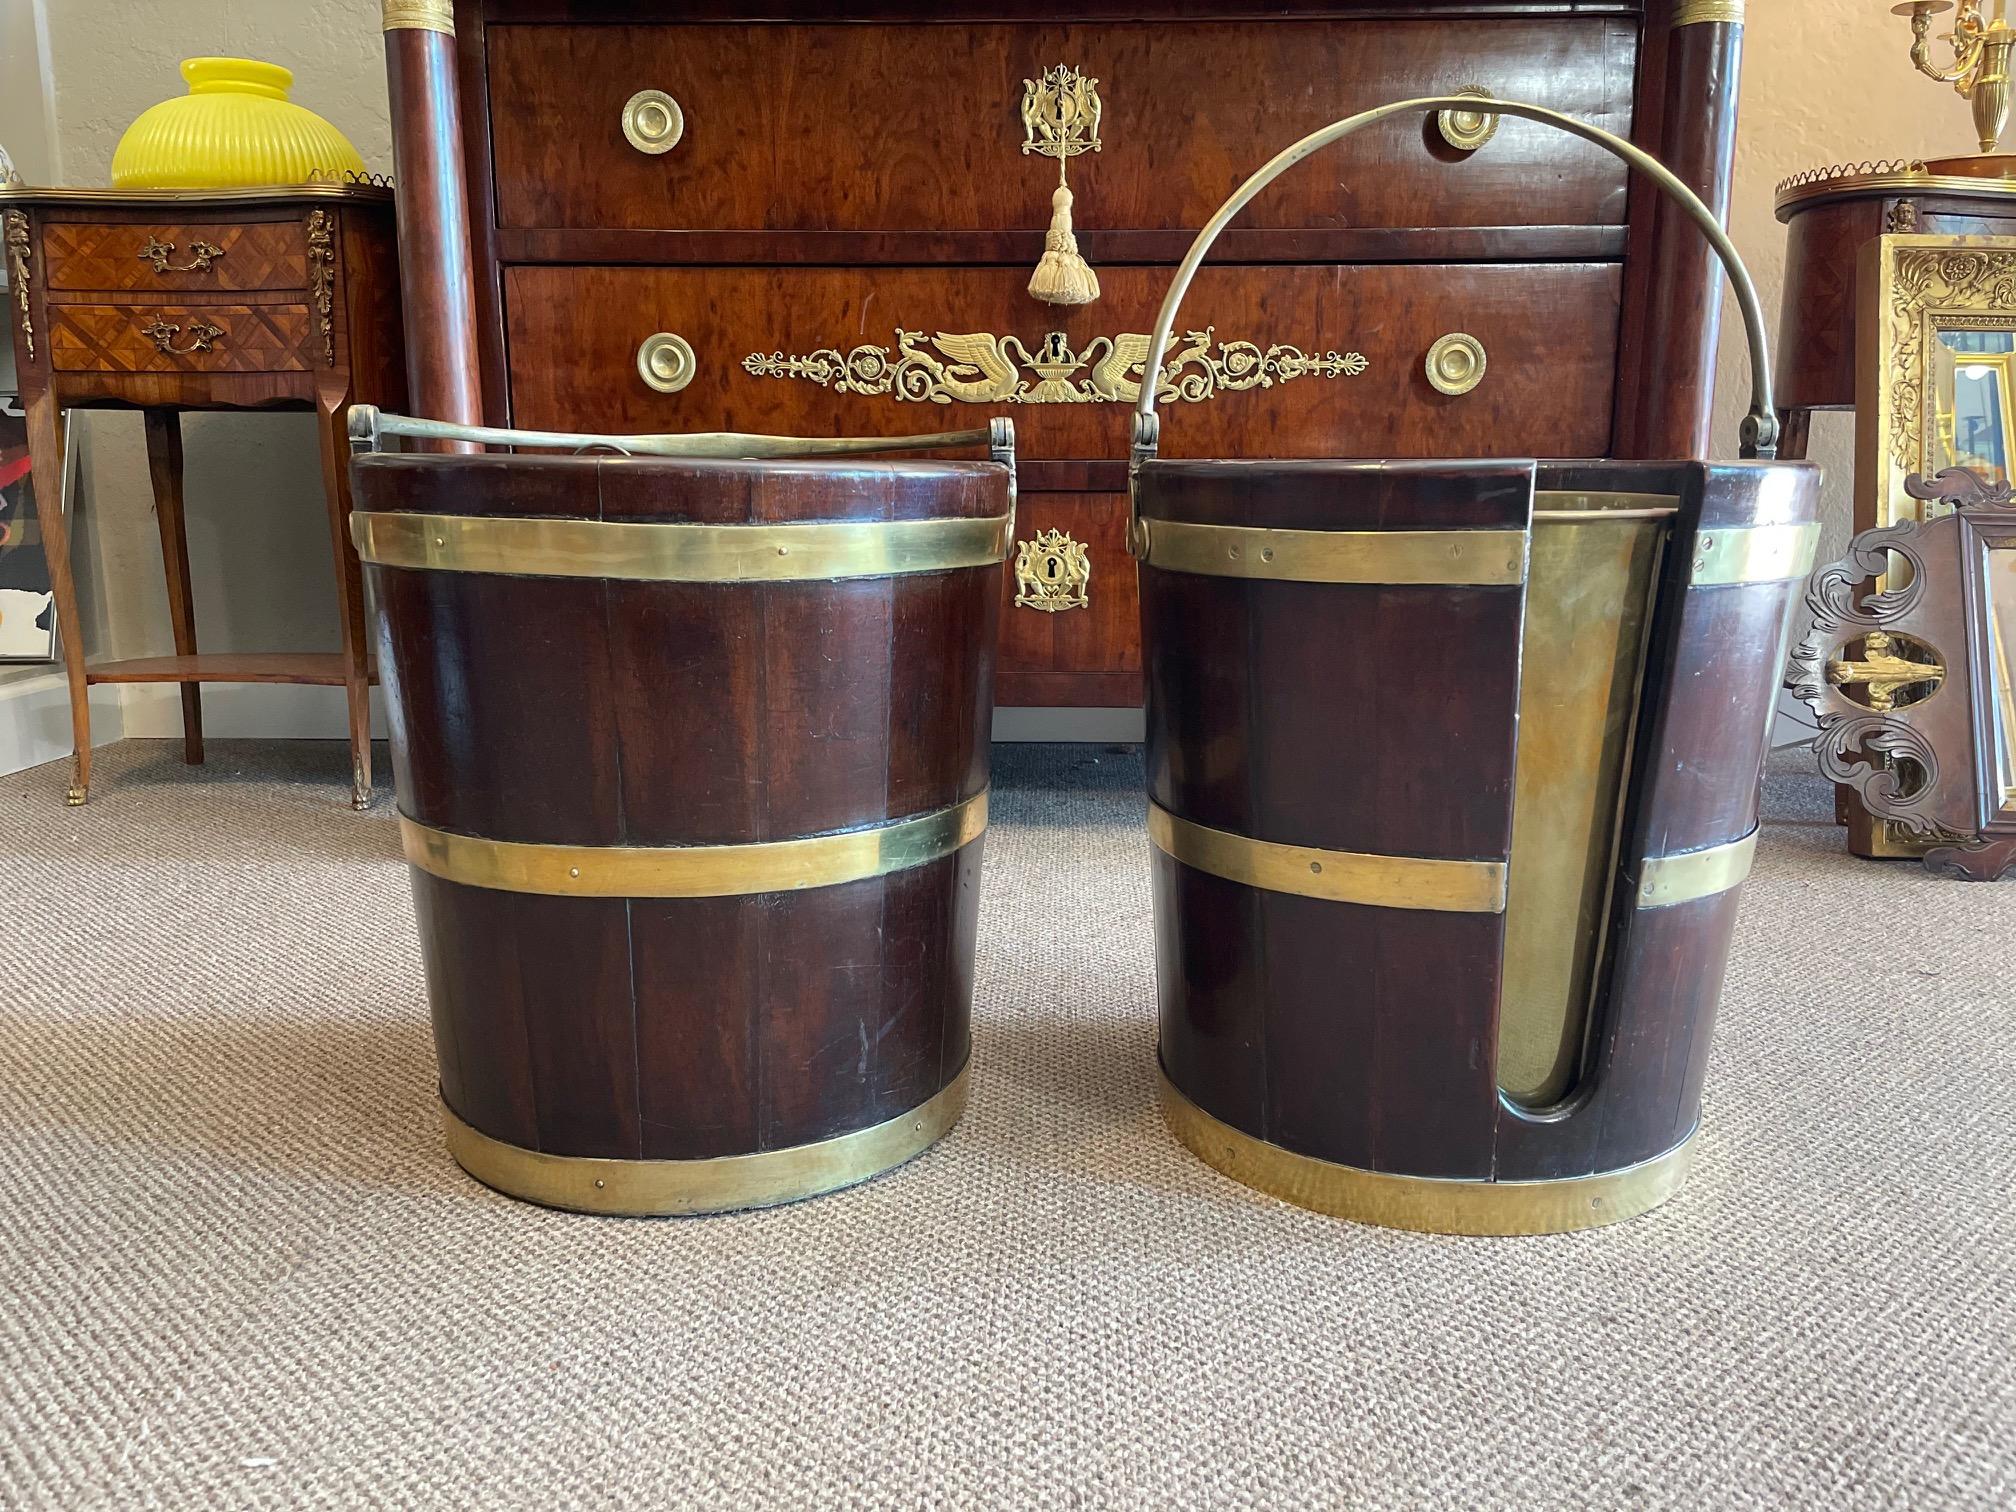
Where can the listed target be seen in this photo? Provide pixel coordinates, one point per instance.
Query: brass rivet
(1232, 552)
(599, 1182)
(783, 551)
(573, 871)
(1316, 866)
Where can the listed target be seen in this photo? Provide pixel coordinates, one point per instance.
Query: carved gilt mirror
(1936, 349)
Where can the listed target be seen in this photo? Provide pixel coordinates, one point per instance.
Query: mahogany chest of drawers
(821, 219)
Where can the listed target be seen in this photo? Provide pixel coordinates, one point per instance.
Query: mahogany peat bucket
(691, 745)
(1453, 772)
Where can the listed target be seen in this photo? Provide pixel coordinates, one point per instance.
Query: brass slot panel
(1594, 581)
(1335, 876)
(826, 551)
(693, 871)
(1437, 558)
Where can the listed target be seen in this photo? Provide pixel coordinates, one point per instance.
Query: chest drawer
(1305, 360)
(167, 338)
(92, 257)
(786, 127)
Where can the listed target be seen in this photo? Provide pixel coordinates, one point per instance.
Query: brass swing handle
(163, 335)
(201, 254)
(1760, 426)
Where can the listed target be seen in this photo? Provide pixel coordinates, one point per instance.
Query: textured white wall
(1824, 81)
(258, 537)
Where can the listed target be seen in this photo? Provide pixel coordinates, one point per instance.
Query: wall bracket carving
(1887, 750)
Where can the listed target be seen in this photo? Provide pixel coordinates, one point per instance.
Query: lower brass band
(693, 871)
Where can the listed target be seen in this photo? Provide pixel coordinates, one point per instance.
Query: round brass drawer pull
(666, 362)
(653, 121)
(1456, 363)
(1467, 130)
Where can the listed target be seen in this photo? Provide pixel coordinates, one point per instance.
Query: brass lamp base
(726, 1184)
(1424, 1204)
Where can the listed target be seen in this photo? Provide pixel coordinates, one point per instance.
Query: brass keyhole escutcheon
(1456, 364)
(1467, 130)
(1053, 573)
(653, 121)
(666, 362)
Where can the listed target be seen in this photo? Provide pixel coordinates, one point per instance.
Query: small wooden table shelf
(326, 668)
(251, 299)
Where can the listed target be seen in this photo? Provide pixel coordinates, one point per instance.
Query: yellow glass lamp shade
(235, 129)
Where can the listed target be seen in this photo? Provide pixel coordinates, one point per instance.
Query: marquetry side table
(283, 298)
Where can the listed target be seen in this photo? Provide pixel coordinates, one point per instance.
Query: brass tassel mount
(1060, 119)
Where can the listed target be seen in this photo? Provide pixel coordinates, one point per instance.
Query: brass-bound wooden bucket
(691, 748)
(1453, 770)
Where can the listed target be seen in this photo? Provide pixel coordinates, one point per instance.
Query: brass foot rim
(1427, 1205)
(76, 796)
(725, 1184)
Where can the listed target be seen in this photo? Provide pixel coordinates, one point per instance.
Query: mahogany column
(435, 270)
(1667, 367)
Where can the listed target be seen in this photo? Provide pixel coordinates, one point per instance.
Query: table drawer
(99, 258)
(788, 127)
(1306, 360)
(203, 338)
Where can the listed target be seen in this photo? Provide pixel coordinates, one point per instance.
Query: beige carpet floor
(236, 1268)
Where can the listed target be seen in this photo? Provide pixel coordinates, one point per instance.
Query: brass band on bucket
(670, 552)
(1426, 1204)
(1438, 558)
(1337, 876)
(693, 871)
(1666, 880)
(1753, 554)
(723, 1184)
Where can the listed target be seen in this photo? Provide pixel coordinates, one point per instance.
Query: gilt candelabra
(1979, 72)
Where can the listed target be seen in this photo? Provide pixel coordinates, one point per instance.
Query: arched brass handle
(666, 362)
(1456, 363)
(1467, 130)
(1759, 436)
(201, 254)
(653, 121)
(163, 336)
